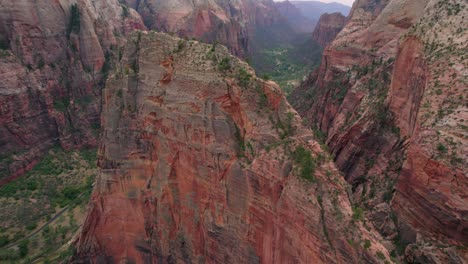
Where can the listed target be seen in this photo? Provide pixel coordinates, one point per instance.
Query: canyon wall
(328, 26)
(203, 162)
(388, 99)
(53, 59)
(241, 25)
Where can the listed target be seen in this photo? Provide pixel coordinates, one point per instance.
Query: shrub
(320, 136)
(23, 248)
(266, 77)
(224, 64)
(90, 155)
(9, 254)
(286, 127)
(75, 23)
(70, 193)
(367, 244)
(213, 47)
(125, 12)
(180, 46)
(305, 163)
(62, 105)
(4, 240)
(441, 148)
(243, 78)
(4, 44)
(380, 255)
(41, 63)
(31, 226)
(358, 214)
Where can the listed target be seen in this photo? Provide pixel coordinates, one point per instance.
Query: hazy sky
(346, 2)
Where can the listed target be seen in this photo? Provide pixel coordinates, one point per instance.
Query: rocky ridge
(389, 98)
(201, 161)
(328, 26)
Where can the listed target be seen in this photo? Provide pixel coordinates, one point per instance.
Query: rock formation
(295, 18)
(328, 26)
(203, 162)
(237, 24)
(53, 56)
(390, 98)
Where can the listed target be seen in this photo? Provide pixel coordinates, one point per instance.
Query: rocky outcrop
(389, 99)
(53, 60)
(203, 162)
(328, 26)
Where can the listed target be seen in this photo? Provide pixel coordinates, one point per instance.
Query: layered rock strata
(203, 162)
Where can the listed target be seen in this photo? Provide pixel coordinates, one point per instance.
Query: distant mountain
(328, 27)
(314, 9)
(295, 18)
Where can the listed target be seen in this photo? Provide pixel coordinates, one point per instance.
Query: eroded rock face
(52, 74)
(328, 26)
(389, 97)
(235, 24)
(203, 165)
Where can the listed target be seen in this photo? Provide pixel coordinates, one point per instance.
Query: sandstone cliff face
(389, 96)
(52, 61)
(235, 24)
(201, 162)
(328, 26)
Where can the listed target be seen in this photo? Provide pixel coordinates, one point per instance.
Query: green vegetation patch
(43, 209)
(305, 163)
(243, 78)
(224, 64)
(74, 25)
(62, 105)
(289, 63)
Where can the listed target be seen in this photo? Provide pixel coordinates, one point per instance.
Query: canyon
(199, 160)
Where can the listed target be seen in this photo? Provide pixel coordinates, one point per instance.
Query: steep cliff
(203, 162)
(53, 57)
(328, 26)
(389, 97)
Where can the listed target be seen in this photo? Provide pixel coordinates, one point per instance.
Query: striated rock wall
(388, 97)
(328, 26)
(203, 162)
(53, 60)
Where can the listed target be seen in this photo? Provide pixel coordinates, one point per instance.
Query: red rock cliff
(328, 26)
(52, 63)
(201, 163)
(388, 95)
